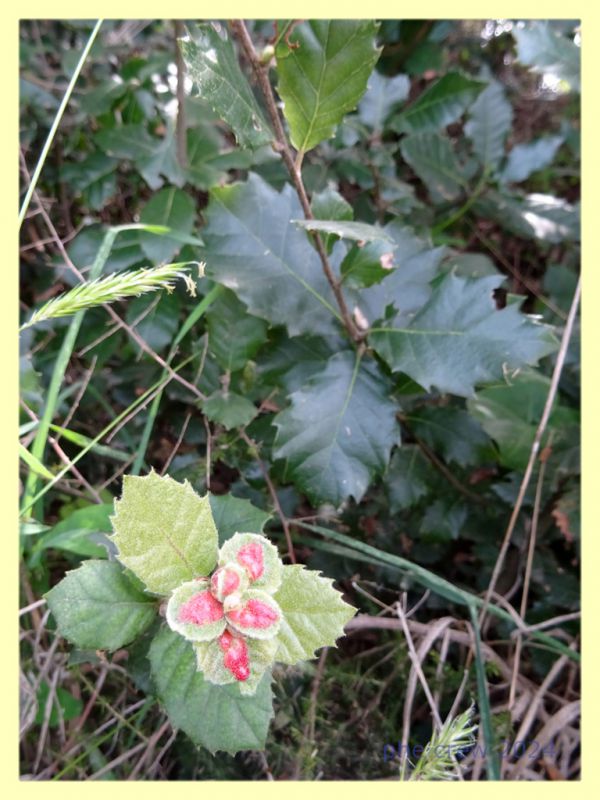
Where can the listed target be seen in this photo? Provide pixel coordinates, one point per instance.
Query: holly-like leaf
(440, 104)
(409, 477)
(98, 607)
(213, 66)
(253, 248)
(216, 717)
(164, 531)
(330, 437)
(234, 337)
(459, 338)
(525, 159)
(323, 73)
(453, 433)
(546, 50)
(229, 409)
(432, 158)
(380, 98)
(357, 231)
(174, 209)
(490, 120)
(314, 614)
(232, 514)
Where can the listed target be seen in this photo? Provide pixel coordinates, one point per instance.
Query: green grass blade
(191, 320)
(485, 712)
(50, 138)
(33, 463)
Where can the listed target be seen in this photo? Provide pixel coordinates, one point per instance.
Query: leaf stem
(282, 146)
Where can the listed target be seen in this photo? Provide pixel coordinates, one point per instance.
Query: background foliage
(449, 204)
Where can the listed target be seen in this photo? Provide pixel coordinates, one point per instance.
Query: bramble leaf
(98, 607)
(254, 249)
(459, 338)
(164, 531)
(338, 431)
(314, 614)
(216, 717)
(323, 74)
(212, 63)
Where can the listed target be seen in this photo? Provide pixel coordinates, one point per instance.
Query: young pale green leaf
(98, 607)
(440, 104)
(459, 338)
(164, 532)
(357, 231)
(314, 614)
(338, 431)
(234, 337)
(174, 209)
(432, 158)
(229, 409)
(253, 248)
(213, 66)
(382, 95)
(490, 120)
(525, 159)
(323, 73)
(216, 717)
(232, 514)
(409, 477)
(546, 50)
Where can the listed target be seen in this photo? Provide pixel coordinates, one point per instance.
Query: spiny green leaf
(525, 159)
(232, 514)
(380, 98)
(323, 75)
(314, 614)
(98, 607)
(234, 337)
(212, 63)
(165, 532)
(440, 104)
(254, 249)
(338, 431)
(174, 209)
(432, 158)
(546, 50)
(459, 338)
(216, 717)
(357, 231)
(490, 119)
(229, 409)
(410, 476)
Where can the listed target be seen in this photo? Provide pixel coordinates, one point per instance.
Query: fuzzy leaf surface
(98, 607)
(254, 249)
(459, 338)
(325, 76)
(216, 717)
(314, 614)
(213, 66)
(338, 431)
(164, 531)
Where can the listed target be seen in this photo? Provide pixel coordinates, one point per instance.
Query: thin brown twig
(535, 447)
(281, 145)
(284, 520)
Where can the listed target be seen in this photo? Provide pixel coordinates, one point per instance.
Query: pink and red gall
(204, 608)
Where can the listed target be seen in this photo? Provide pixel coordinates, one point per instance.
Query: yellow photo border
(588, 13)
